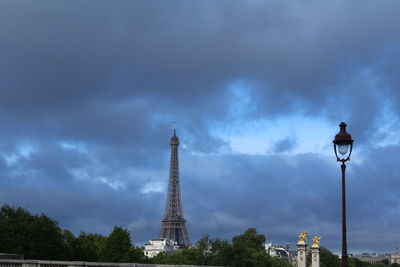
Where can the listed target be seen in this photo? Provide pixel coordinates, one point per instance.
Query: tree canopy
(245, 250)
(117, 246)
(35, 236)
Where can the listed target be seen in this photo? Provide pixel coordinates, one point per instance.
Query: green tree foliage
(137, 255)
(250, 239)
(187, 256)
(328, 259)
(248, 250)
(245, 250)
(85, 247)
(39, 237)
(358, 263)
(34, 236)
(385, 261)
(216, 252)
(117, 247)
(221, 252)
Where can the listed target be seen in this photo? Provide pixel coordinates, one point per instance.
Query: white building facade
(277, 251)
(395, 258)
(156, 246)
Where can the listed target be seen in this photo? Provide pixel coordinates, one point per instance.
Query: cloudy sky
(89, 90)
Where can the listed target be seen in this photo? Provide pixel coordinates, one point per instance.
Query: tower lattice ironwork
(174, 225)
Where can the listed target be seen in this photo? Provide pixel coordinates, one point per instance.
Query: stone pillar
(301, 254)
(314, 256)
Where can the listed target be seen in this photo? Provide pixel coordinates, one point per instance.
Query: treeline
(39, 237)
(36, 236)
(245, 250)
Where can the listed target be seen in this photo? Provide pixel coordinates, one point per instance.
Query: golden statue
(316, 241)
(302, 238)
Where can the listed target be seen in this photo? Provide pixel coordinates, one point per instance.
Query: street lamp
(343, 146)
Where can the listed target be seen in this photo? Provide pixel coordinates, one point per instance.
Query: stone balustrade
(40, 263)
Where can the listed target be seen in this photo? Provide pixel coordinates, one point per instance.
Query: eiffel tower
(174, 225)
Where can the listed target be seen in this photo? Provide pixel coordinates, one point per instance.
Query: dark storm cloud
(66, 70)
(290, 195)
(284, 145)
(88, 91)
(46, 181)
(59, 55)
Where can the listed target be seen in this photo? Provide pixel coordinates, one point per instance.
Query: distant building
(281, 252)
(156, 246)
(395, 258)
(372, 257)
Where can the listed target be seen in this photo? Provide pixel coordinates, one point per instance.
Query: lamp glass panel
(343, 149)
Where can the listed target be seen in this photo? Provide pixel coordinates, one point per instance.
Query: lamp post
(344, 145)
